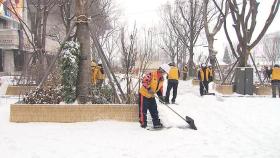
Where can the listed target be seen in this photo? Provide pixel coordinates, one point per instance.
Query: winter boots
(157, 123)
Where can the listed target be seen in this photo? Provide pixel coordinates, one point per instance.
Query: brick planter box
(72, 113)
(224, 89)
(18, 90)
(195, 82)
(263, 90)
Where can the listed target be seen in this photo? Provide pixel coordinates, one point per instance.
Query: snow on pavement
(230, 127)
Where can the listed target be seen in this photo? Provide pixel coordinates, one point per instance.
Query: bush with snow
(69, 65)
(101, 95)
(43, 96)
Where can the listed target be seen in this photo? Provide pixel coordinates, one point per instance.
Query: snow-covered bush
(49, 93)
(69, 65)
(43, 96)
(101, 95)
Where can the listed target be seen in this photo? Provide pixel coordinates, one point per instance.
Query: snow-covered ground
(230, 127)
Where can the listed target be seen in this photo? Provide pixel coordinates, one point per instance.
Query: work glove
(150, 91)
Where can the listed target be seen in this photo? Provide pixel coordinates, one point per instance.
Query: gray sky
(146, 14)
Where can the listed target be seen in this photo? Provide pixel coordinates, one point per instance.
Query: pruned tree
(244, 16)
(84, 12)
(211, 15)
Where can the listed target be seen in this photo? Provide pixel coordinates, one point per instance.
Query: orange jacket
(275, 73)
(96, 74)
(173, 73)
(201, 76)
(152, 81)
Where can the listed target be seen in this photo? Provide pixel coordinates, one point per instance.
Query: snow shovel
(205, 91)
(188, 119)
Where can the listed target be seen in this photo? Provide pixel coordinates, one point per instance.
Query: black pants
(203, 87)
(172, 84)
(148, 104)
(275, 85)
(184, 76)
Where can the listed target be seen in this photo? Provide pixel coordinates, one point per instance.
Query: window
(19, 60)
(1, 61)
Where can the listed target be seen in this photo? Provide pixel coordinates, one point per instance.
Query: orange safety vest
(275, 73)
(173, 73)
(96, 74)
(155, 85)
(210, 71)
(202, 74)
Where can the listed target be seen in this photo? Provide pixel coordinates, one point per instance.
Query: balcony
(9, 39)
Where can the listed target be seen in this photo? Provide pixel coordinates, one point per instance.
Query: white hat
(165, 67)
(99, 62)
(203, 65)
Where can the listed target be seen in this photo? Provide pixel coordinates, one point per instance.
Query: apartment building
(11, 37)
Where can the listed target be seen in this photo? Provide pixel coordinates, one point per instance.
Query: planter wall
(18, 90)
(224, 89)
(195, 82)
(72, 113)
(263, 90)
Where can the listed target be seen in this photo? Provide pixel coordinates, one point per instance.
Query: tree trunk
(190, 63)
(243, 60)
(83, 37)
(244, 54)
(210, 40)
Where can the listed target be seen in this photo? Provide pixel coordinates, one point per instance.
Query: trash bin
(244, 80)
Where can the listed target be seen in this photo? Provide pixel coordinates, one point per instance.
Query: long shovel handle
(191, 123)
(173, 110)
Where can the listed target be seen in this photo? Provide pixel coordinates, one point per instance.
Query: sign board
(8, 9)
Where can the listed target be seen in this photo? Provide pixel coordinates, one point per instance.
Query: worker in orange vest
(172, 83)
(203, 77)
(152, 84)
(275, 80)
(98, 75)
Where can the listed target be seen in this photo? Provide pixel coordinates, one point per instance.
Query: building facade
(11, 36)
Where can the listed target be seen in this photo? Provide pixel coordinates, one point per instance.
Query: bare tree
(244, 16)
(271, 49)
(189, 28)
(67, 13)
(211, 14)
(170, 42)
(111, 48)
(129, 54)
(38, 12)
(146, 51)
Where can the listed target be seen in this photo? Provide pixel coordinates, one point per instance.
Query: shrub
(69, 65)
